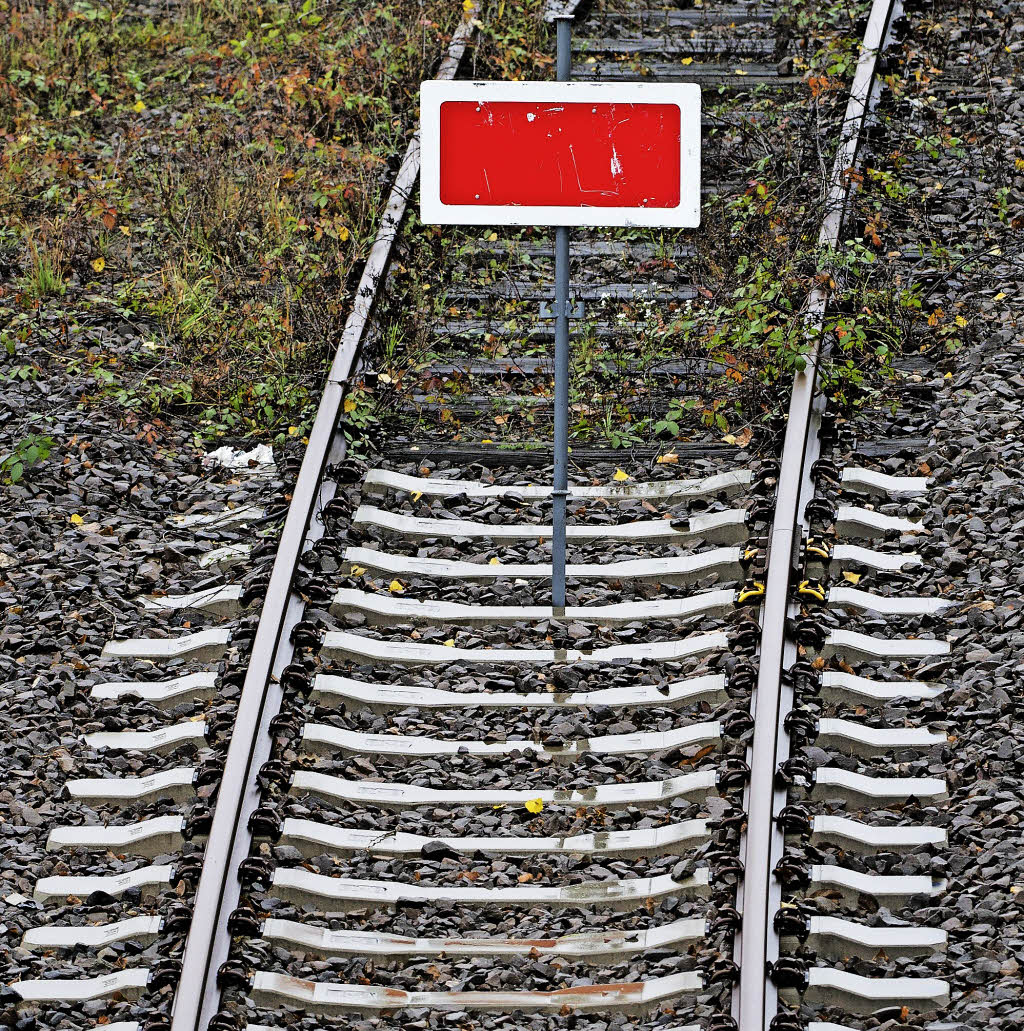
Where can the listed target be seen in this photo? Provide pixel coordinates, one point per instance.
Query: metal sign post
(560, 489)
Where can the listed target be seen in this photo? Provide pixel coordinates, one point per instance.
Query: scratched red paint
(568, 154)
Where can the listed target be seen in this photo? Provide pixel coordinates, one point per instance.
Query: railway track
(437, 804)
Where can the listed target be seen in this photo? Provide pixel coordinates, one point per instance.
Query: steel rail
(755, 1000)
(217, 894)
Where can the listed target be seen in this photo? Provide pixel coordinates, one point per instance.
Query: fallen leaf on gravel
(98, 264)
(852, 578)
(620, 475)
(534, 805)
(670, 459)
(494, 562)
(356, 571)
(77, 520)
(450, 643)
(396, 587)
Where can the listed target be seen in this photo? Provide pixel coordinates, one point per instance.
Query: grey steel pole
(563, 71)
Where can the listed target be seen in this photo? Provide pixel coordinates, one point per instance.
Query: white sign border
(686, 95)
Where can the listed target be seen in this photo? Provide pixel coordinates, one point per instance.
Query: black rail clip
(187, 871)
(234, 974)
(256, 872)
(746, 640)
(245, 922)
(198, 822)
(164, 973)
(786, 1022)
(306, 634)
(796, 771)
(792, 921)
(178, 919)
(224, 1020)
(789, 973)
(722, 1022)
(795, 819)
(738, 723)
(825, 472)
(791, 872)
(727, 918)
(265, 822)
(809, 632)
(803, 678)
(296, 677)
(733, 773)
(274, 773)
(743, 679)
(723, 971)
(821, 511)
(801, 725)
(285, 724)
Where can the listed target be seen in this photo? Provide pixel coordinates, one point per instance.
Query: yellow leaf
(126, 230)
(350, 405)
(687, 60)
(492, 237)
(417, 494)
(852, 578)
(494, 562)
(342, 234)
(670, 459)
(534, 805)
(450, 643)
(139, 107)
(77, 520)
(395, 587)
(293, 431)
(487, 440)
(98, 264)
(729, 439)
(357, 571)
(620, 475)
(467, 6)
(1000, 296)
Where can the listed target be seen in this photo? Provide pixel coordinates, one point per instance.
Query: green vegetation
(205, 184)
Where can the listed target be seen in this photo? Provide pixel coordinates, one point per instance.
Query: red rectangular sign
(549, 154)
(560, 153)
